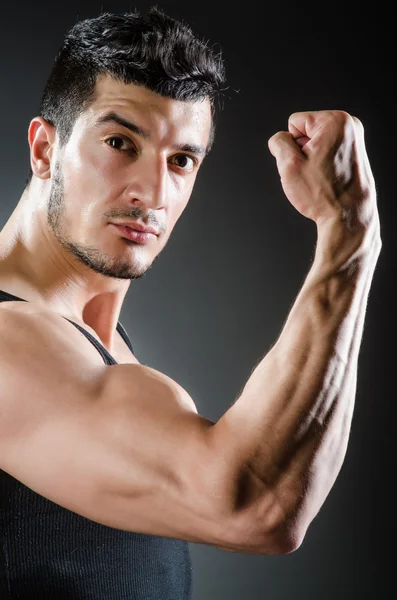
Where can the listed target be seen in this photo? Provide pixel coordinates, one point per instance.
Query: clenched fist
(324, 168)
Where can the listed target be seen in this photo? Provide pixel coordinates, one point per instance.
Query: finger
(295, 131)
(284, 148)
(324, 128)
(302, 123)
(302, 141)
(309, 123)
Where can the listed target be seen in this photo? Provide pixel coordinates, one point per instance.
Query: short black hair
(152, 49)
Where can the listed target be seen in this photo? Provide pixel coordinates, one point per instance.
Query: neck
(34, 267)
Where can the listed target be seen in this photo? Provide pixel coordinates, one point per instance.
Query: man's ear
(41, 137)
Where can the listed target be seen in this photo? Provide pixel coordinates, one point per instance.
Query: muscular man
(108, 470)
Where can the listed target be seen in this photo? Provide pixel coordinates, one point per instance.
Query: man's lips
(141, 237)
(138, 227)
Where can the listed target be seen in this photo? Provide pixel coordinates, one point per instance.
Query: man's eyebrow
(199, 150)
(113, 117)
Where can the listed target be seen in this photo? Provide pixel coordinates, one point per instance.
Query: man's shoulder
(34, 313)
(42, 330)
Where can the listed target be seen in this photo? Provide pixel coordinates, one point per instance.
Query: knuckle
(358, 123)
(341, 122)
(279, 136)
(275, 140)
(294, 115)
(311, 118)
(341, 116)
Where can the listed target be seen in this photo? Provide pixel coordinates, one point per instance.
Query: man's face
(112, 172)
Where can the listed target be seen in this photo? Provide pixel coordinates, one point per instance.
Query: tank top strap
(5, 296)
(124, 335)
(107, 357)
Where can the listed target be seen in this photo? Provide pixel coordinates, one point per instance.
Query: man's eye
(117, 143)
(185, 162)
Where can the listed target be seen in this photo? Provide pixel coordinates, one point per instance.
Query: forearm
(284, 439)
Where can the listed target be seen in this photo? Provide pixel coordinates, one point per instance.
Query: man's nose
(149, 183)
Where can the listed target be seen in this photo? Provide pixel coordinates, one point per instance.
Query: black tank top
(48, 552)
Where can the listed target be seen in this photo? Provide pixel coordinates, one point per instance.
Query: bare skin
(253, 481)
(101, 185)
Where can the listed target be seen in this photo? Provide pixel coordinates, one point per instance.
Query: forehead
(164, 116)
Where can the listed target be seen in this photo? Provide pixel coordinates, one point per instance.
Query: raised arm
(284, 440)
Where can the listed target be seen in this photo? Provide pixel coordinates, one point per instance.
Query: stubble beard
(88, 255)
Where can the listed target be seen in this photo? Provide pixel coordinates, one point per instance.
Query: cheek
(181, 189)
(85, 158)
(86, 173)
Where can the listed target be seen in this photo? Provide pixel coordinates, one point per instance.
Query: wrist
(346, 245)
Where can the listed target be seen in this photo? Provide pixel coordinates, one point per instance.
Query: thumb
(285, 148)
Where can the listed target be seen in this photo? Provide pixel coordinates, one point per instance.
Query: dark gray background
(219, 293)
